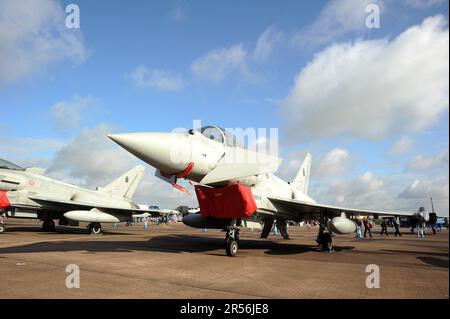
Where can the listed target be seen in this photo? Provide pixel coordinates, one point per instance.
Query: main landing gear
(48, 225)
(231, 240)
(324, 237)
(95, 228)
(282, 226)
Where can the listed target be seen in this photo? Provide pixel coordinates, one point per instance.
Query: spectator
(367, 227)
(358, 228)
(397, 227)
(384, 228)
(420, 230)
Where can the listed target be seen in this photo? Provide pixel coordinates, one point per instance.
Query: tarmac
(176, 261)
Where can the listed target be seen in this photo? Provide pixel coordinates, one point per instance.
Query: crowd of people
(163, 220)
(391, 223)
(365, 226)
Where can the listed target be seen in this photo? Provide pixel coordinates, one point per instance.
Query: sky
(370, 102)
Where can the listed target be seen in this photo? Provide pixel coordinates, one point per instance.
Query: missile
(94, 216)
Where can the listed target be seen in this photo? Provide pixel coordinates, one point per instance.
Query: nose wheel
(231, 241)
(95, 228)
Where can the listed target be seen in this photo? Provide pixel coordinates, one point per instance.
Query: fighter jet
(236, 185)
(27, 193)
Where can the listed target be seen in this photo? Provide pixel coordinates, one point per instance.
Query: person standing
(358, 228)
(384, 228)
(420, 230)
(367, 227)
(397, 227)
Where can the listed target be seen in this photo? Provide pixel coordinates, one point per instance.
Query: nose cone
(168, 152)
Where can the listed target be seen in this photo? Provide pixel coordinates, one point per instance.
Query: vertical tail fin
(125, 185)
(301, 180)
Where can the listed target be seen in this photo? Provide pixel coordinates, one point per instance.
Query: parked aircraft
(234, 183)
(27, 193)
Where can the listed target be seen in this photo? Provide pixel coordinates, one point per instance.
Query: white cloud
(403, 145)
(237, 61)
(28, 151)
(157, 79)
(372, 89)
(363, 191)
(91, 157)
(218, 64)
(421, 162)
(335, 162)
(403, 192)
(424, 189)
(266, 44)
(336, 19)
(67, 114)
(32, 36)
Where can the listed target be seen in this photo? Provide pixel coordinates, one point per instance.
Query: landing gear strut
(95, 228)
(231, 240)
(281, 224)
(324, 238)
(268, 223)
(48, 225)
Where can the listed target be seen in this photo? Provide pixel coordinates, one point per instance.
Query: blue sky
(232, 63)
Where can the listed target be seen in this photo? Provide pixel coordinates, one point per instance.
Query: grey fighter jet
(237, 185)
(27, 193)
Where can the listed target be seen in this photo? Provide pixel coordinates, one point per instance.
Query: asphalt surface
(176, 261)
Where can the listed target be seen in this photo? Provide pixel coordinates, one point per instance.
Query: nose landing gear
(324, 238)
(231, 240)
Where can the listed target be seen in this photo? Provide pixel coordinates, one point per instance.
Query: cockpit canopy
(8, 165)
(219, 134)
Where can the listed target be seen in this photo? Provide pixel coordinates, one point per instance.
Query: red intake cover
(4, 202)
(234, 201)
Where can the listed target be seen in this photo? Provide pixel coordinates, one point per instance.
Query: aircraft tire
(232, 247)
(95, 229)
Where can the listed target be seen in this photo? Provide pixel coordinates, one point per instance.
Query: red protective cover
(233, 201)
(4, 202)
